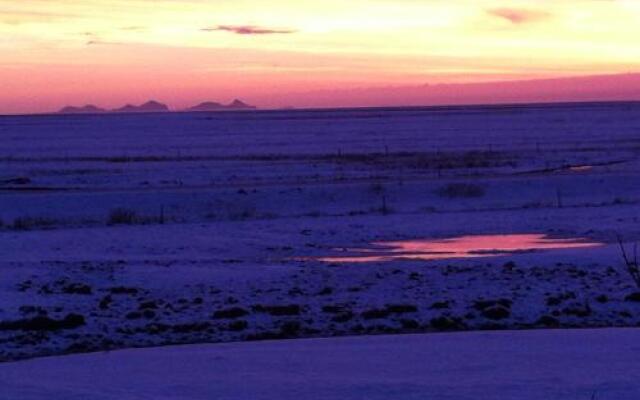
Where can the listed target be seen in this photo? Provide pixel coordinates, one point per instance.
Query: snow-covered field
(141, 230)
(533, 365)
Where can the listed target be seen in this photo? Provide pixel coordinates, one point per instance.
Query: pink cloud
(518, 16)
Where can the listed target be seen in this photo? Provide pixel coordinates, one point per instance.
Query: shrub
(631, 261)
(27, 223)
(122, 216)
(461, 190)
(377, 188)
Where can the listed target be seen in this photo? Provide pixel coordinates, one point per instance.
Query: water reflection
(459, 247)
(580, 168)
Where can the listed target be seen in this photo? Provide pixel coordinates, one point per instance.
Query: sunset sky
(108, 52)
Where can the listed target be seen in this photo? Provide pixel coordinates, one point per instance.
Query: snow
(556, 364)
(250, 201)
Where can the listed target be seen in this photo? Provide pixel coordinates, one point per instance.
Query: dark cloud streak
(248, 30)
(133, 28)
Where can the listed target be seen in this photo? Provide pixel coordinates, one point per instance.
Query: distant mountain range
(88, 109)
(153, 106)
(213, 106)
(148, 107)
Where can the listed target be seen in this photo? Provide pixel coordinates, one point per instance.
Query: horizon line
(527, 95)
(443, 107)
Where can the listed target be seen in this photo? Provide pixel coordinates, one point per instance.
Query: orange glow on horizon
(279, 53)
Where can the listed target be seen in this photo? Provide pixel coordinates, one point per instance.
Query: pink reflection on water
(460, 247)
(580, 168)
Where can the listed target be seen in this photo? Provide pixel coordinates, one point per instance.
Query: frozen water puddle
(580, 168)
(459, 247)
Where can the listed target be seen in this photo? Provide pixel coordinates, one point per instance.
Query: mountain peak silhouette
(239, 104)
(87, 109)
(215, 106)
(150, 106)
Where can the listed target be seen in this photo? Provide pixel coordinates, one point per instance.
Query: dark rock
(438, 305)
(148, 305)
(230, 313)
(237, 326)
(342, 317)
(33, 310)
(156, 328)
(16, 181)
(123, 290)
(194, 327)
(334, 309)
(76, 288)
(483, 304)
(553, 301)
(510, 265)
(548, 321)
(414, 276)
(633, 297)
(105, 302)
(376, 313)
(556, 300)
(444, 324)
(41, 323)
(410, 324)
(279, 310)
(401, 308)
(133, 315)
(496, 313)
(325, 291)
(578, 311)
(625, 314)
(491, 326)
(290, 328)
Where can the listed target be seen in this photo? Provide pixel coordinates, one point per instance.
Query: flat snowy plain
(550, 365)
(126, 231)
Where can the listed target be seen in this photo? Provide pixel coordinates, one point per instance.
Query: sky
(279, 53)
